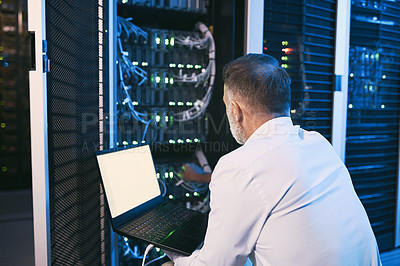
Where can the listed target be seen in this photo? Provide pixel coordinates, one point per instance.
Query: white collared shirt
(284, 198)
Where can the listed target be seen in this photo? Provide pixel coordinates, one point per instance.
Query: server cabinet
(83, 100)
(373, 112)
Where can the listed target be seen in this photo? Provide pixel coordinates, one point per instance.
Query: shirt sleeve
(238, 213)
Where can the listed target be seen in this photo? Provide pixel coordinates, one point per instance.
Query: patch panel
(177, 73)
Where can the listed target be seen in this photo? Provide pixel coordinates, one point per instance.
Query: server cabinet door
(38, 113)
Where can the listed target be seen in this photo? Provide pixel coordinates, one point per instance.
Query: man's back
(314, 217)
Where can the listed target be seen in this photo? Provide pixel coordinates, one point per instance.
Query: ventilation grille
(77, 223)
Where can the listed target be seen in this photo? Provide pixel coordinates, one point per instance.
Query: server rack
(301, 35)
(372, 143)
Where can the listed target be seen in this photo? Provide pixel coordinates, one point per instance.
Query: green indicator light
(196, 194)
(171, 197)
(166, 175)
(171, 80)
(372, 56)
(166, 118)
(158, 79)
(135, 63)
(188, 194)
(365, 86)
(158, 175)
(135, 103)
(158, 40)
(135, 142)
(189, 66)
(284, 58)
(189, 103)
(180, 141)
(171, 141)
(166, 80)
(172, 65)
(188, 140)
(383, 76)
(383, 106)
(350, 106)
(181, 66)
(285, 43)
(197, 67)
(158, 118)
(143, 141)
(366, 56)
(196, 140)
(4, 169)
(117, 143)
(125, 142)
(351, 75)
(284, 66)
(171, 103)
(166, 41)
(171, 174)
(180, 103)
(172, 41)
(377, 56)
(370, 88)
(293, 111)
(124, 1)
(145, 64)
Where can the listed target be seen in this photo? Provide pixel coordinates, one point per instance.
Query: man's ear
(237, 111)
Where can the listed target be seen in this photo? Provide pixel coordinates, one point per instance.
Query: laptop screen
(129, 178)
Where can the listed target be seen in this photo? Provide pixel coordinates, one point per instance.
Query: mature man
(284, 197)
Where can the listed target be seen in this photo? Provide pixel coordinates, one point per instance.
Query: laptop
(137, 208)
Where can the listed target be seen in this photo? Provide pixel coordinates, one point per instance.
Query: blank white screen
(129, 178)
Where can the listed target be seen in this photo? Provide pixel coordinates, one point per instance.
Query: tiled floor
(16, 228)
(16, 231)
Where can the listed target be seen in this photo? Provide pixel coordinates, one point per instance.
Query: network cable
(199, 105)
(126, 66)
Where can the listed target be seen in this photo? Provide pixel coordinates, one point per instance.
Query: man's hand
(193, 173)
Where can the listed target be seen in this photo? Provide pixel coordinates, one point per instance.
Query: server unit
(372, 143)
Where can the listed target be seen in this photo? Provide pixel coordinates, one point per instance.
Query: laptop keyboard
(158, 223)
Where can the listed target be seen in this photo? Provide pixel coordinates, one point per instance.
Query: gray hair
(260, 82)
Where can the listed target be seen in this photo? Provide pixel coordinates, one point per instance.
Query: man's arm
(237, 216)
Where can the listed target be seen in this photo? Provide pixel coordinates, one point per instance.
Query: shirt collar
(276, 125)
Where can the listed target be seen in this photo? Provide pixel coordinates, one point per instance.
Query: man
(284, 197)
